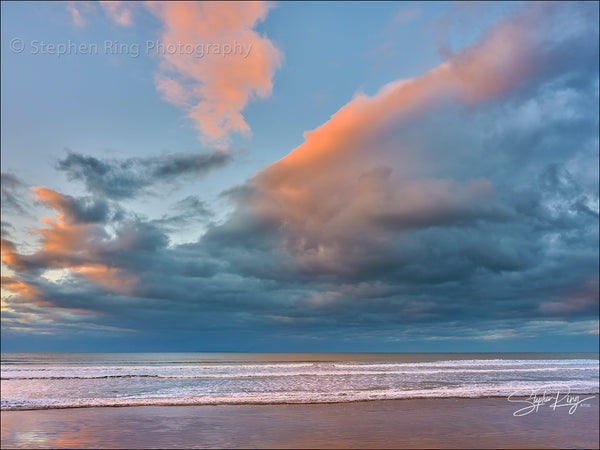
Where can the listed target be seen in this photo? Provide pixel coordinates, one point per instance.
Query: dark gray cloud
(11, 196)
(190, 210)
(119, 179)
(10, 181)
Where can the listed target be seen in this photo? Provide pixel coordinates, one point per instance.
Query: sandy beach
(418, 423)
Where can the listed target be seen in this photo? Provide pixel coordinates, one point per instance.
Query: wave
(110, 384)
(7, 377)
(291, 397)
(305, 364)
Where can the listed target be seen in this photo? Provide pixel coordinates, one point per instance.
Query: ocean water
(68, 380)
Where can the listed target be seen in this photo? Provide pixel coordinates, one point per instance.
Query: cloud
(30, 309)
(584, 299)
(11, 193)
(406, 14)
(76, 15)
(224, 63)
(82, 210)
(191, 210)
(374, 180)
(10, 256)
(129, 177)
(213, 61)
(76, 240)
(118, 11)
(441, 198)
(25, 290)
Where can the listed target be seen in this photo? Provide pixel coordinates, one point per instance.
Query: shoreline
(398, 423)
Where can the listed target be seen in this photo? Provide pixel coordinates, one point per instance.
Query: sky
(300, 177)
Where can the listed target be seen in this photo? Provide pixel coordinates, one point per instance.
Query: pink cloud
(119, 12)
(73, 8)
(214, 62)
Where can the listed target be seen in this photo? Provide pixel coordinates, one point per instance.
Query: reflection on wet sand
(432, 423)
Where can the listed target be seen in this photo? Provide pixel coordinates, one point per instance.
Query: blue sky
(446, 199)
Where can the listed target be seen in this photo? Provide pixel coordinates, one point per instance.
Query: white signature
(556, 399)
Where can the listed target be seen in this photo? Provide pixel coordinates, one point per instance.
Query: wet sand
(418, 423)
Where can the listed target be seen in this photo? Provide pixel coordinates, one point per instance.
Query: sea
(73, 380)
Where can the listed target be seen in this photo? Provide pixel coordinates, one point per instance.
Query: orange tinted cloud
(110, 278)
(479, 73)
(27, 291)
(29, 308)
(214, 63)
(69, 244)
(30, 295)
(10, 256)
(353, 177)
